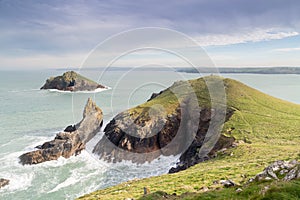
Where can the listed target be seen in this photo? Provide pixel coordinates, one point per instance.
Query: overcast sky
(60, 34)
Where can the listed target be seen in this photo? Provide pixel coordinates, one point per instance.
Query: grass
(268, 129)
(260, 191)
(71, 76)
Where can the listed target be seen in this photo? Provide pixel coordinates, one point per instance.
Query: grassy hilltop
(266, 128)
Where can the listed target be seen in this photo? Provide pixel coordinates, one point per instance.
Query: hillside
(266, 129)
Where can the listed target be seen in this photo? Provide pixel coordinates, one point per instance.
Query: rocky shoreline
(69, 142)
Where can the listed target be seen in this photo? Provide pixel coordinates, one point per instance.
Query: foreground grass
(268, 129)
(260, 191)
(247, 161)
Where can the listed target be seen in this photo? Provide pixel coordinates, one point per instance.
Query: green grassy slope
(257, 191)
(267, 128)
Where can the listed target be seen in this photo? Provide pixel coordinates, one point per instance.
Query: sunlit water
(29, 116)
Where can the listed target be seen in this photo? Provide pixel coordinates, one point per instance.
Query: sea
(30, 116)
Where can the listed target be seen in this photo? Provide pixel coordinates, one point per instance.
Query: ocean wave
(20, 178)
(72, 177)
(61, 91)
(90, 169)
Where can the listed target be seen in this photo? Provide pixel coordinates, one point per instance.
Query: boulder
(279, 170)
(67, 143)
(3, 182)
(71, 81)
(227, 183)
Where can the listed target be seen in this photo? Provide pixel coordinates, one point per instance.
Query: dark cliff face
(119, 144)
(116, 143)
(175, 136)
(181, 120)
(196, 152)
(70, 142)
(71, 81)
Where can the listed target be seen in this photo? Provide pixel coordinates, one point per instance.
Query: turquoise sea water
(29, 116)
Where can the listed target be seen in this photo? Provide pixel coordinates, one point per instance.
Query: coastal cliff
(169, 123)
(71, 141)
(71, 81)
(265, 129)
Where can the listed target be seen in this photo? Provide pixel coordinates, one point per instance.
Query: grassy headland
(266, 128)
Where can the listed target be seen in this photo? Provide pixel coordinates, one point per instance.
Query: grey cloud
(56, 27)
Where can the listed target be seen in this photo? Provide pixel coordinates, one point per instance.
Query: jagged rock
(67, 144)
(287, 170)
(71, 81)
(3, 182)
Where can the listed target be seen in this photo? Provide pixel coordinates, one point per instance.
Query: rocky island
(71, 141)
(71, 81)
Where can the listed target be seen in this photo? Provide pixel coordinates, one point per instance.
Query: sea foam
(85, 92)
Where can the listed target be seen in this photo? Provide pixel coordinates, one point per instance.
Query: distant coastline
(248, 70)
(225, 70)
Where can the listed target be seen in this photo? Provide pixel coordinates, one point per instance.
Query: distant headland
(243, 70)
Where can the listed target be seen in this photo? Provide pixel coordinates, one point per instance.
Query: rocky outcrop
(3, 182)
(144, 133)
(279, 170)
(191, 157)
(123, 141)
(71, 81)
(68, 142)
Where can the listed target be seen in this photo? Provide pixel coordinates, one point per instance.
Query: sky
(38, 34)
